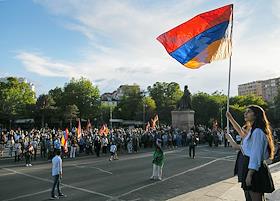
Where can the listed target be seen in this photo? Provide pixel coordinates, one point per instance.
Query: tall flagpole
(229, 71)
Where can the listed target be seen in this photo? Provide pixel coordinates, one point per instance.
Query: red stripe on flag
(179, 35)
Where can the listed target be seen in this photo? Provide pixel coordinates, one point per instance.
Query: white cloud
(275, 7)
(45, 66)
(123, 48)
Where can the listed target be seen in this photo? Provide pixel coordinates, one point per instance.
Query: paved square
(91, 178)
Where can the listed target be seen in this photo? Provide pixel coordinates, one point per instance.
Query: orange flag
(154, 120)
(88, 125)
(104, 130)
(79, 131)
(148, 126)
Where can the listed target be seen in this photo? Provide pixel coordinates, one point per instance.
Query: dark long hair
(262, 122)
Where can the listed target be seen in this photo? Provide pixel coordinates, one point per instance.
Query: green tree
(149, 105)
(248, 100)
(238, 105)
(84, 95)
(166, 96)
(45, 106)
(130, 106)
(57, 95)
(238, 112)
(15, 98)
(207, 108)
(71, 112)
(104, 114)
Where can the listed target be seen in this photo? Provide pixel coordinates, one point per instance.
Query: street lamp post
(111, 115)
(221, 109)
(144, 107)
(144, 114)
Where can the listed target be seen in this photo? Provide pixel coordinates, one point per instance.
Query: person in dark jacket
(97, 146)
(193, 142)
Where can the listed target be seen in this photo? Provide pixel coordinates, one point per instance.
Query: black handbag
(263, 176)
(262, 181)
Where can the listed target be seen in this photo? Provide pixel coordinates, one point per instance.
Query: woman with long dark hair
(257, 146)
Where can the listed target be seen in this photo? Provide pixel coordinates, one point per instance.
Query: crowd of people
(29, 144)
(51, 144)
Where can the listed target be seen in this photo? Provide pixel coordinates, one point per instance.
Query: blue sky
(114, 42)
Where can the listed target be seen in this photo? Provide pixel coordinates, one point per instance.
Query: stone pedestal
(183, 120)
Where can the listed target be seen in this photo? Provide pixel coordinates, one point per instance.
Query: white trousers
(157, 172)
(129, 148)
(73, 152)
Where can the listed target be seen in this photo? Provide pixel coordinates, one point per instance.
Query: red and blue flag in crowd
(64, 139)
(79, 130)
(201, 40)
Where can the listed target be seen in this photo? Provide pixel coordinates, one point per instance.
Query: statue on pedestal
(185, 101)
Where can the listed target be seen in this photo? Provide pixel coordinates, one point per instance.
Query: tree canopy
(15, 99)
(166, 96)
(79, 98)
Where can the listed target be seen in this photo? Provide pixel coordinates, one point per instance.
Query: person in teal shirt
(158, 161)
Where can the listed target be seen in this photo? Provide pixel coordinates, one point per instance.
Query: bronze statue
(185, 101)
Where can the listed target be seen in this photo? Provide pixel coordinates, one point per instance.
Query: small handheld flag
(154, 120)
(148, 126)
(88, 125)
(201, 40)
(79, 130)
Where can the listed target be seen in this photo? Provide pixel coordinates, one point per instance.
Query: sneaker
(53, 197)
(152, 178)
(30, 165)
(159, 178)
(61, 195)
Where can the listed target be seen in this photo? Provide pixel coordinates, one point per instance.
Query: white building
(267, 89)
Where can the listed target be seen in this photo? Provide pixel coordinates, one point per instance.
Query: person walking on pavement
(193, 142)
(57, 174)
(28, 153)
(113, 152)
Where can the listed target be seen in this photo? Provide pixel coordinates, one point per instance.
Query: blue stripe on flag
(196, 45)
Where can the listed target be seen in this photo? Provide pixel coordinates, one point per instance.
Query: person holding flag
(257, 146)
